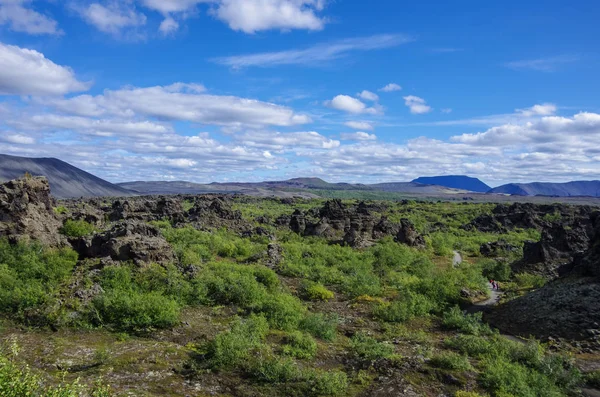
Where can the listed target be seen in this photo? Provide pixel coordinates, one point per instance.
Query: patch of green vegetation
(321, 325)
(316, 292)
(60, 210)
(451, 361)
(364, 347)
(234, 347)
(513, 368)
(30, 279)
(18, 380)
(75, 229)
(300, 345)
(471, 324)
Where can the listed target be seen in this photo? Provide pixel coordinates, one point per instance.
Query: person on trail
(493, 284)
(497, 286)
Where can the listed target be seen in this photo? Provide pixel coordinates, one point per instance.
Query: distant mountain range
(297, 185)
(67, 181)
(456, 181)
(569, 189)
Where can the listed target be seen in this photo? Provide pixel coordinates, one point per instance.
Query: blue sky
(221, 90)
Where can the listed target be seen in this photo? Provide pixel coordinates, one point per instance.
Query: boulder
(496, 249)
(407, 234)
(127, 241)
(27, 211)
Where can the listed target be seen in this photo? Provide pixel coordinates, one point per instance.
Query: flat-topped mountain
(66, 181)
(461, 182)
(568, 189)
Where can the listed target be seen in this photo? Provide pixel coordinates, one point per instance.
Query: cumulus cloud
(19, 139)
(28, 72)
(251, 16)
(391, 88)
(20, 17)
(545, 109)
(359, 125)
(290, 141)
(368, 96)
(182, 102)
(168, 26)
(315, 55)
(352, 105)
(248, 16)
(358, 136)
(113, 18)
(416, 105)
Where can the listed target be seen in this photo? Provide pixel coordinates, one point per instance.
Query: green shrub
(503, 377)
(272, 369)
(232, 348)
(134, 310)
(455, 319)
(593, 379)
(30, 275)
(60, 210)
(316, 292)
(72, 228)
(326, 383)
(283, 311)
(321, 325)
(496, 270)
(528, 280)
(451, 361)
(404, 308)
(367, 348)
(299, 345)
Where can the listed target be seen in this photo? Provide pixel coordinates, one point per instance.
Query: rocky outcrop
(553, 255)
(148, 209)
(527, 216)
(354, 225)
(495, 249)
(407, 234)
(27, 211)
(216, 212)
(567, 308)
(127, 241)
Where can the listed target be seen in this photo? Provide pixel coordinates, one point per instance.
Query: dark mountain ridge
(568, 189)
(66, 181)
(461, 182)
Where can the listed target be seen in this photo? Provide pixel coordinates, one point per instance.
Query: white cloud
(368, 96)
(168, 26)
(251, 16)
(549, 64)
(182, 102)
(359, 125)
(113, 18)
(351, 105)
(315, 55)
(282, 141)
(358, 136)
(391, 88)
(20, 18)
(172, 6)
(446, 110)
(28, 72)
(416, 105)
(545, 109)
(19, 139)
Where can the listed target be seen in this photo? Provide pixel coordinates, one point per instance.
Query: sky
(345, 90)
